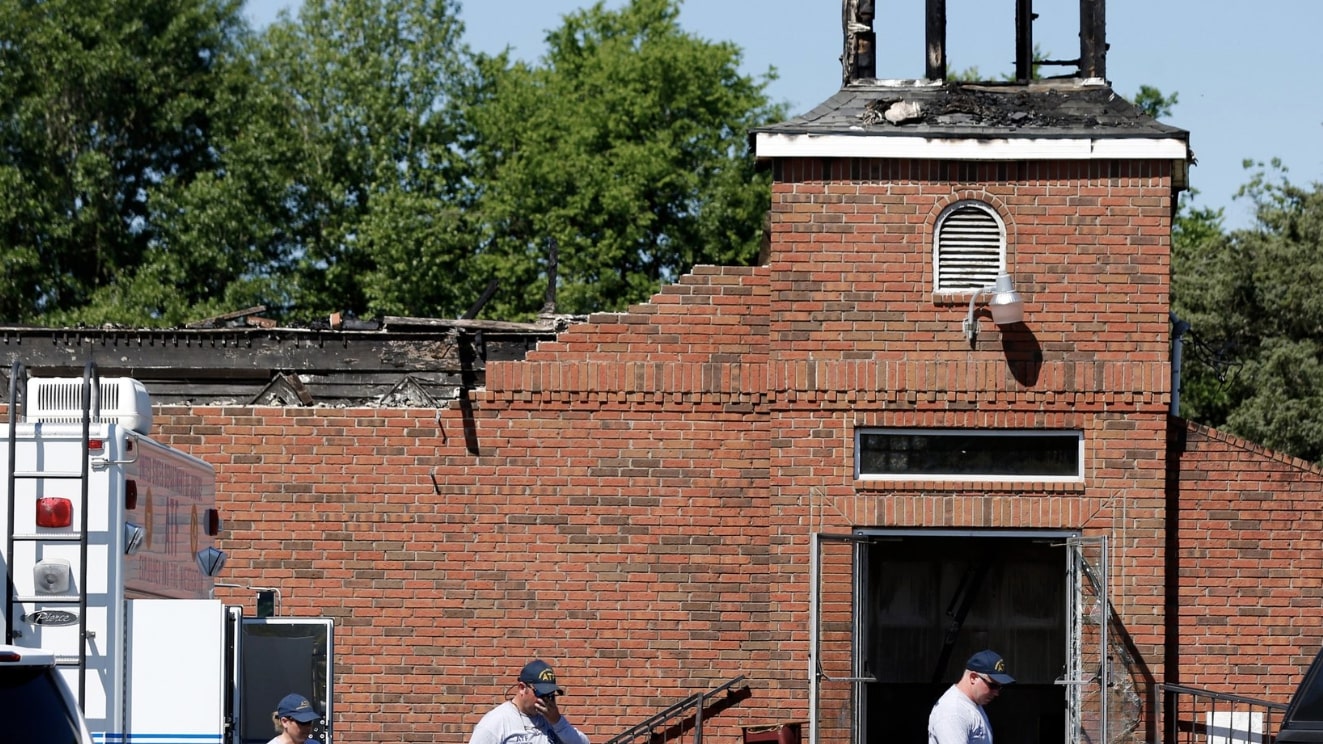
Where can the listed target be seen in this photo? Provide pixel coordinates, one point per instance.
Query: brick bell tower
(969, 310)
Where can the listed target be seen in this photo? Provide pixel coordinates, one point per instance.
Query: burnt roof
(1042, 109)
(387, 362)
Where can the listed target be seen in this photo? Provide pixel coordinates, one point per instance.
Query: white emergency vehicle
(109, 564)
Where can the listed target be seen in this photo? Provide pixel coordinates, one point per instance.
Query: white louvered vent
(60, 400)
(971, 246)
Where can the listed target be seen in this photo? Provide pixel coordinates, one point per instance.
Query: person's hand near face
(547, 707)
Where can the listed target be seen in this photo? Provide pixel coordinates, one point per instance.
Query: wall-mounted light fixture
(210, 560)
(1006, 306)
(133, 537)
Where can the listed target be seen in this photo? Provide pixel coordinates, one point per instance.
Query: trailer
(110, 560)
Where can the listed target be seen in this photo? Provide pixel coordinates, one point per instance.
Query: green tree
(163, 163)
(220, 237)
(624, 148)
(341, 188)
(1151, 101)
(1251, 298)
(1209, 358)
(382, 227)
(101, 102)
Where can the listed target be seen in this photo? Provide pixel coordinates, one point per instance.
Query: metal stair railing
(1194, 716)
(698, 702)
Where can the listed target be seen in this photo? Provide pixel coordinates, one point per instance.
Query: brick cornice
(1097, 384)
(971, 378)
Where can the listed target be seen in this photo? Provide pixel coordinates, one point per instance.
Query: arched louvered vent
(971, 247)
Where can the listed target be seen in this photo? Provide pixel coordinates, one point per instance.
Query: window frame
(1078, 434)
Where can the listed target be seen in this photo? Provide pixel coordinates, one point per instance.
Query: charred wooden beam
(1093, 39)
(553, 269)
(1024, 40)
(222, 319)
(935, 32)
(859, 60)
(486, 295)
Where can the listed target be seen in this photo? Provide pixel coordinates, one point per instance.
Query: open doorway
(918, 605)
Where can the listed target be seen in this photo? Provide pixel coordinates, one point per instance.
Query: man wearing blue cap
(531, 715)
(958, 716)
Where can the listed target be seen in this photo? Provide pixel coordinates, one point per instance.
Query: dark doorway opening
(928, 602)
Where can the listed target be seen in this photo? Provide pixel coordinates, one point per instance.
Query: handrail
(91, 411)
(16, 411)
(697, 701)
(1194, 716)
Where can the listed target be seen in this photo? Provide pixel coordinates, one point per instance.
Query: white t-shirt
(504, 724)
(956, 719)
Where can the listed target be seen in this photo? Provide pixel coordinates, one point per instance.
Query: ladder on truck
(91, 410)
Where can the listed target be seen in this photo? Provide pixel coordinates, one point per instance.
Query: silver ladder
(91, 404)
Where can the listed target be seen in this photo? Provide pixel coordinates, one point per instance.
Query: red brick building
(809, 472)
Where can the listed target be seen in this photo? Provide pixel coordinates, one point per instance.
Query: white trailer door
(175, 672)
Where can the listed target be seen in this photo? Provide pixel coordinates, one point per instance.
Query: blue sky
(1247, 74)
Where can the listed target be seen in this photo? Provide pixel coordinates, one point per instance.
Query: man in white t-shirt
(958, 716)
(531, 715)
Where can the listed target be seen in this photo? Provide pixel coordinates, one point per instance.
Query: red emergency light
(95, 445)
(130, 494)
(213, 522)
(53, 511)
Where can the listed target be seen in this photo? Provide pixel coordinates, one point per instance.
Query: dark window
(32, 707)
(967, 454)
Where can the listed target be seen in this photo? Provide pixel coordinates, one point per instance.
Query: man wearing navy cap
(531, 715)
(958, 716)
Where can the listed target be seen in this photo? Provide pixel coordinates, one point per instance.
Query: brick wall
(1247, 579)
(620, 553)
(600, 506)
(1087, 243)
(862, 340)
(634, 501)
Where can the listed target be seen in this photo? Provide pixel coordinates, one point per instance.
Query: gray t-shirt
(956, 719)
(505, 724)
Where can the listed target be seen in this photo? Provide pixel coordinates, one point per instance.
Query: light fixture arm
(1006, 306)
(970, 326)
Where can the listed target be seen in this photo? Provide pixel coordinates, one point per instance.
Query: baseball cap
(540, 676)
(297, 707)
(989, 663)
